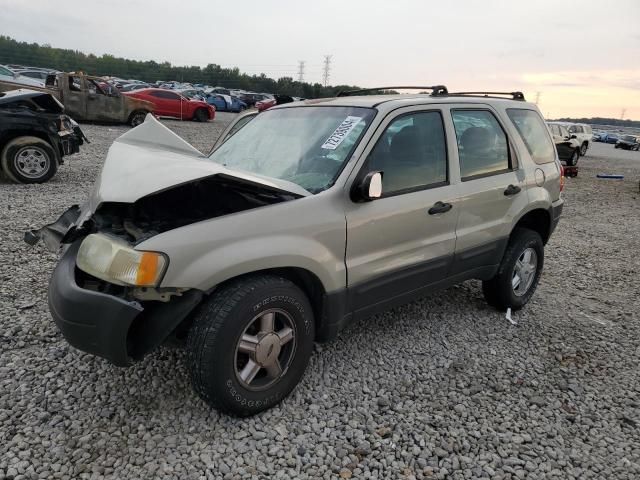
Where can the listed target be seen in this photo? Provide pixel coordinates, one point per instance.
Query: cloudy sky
(583, 57)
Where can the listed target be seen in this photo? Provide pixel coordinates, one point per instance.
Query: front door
(101, 106)
(404, 241)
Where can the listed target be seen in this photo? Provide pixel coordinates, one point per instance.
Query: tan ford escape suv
(301, 219)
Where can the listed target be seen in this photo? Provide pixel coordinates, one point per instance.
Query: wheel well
(308, 282)
(6, 137)
(538, 220)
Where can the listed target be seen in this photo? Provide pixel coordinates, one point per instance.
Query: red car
(171, 104)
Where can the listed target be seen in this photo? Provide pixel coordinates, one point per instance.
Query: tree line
(67, 60)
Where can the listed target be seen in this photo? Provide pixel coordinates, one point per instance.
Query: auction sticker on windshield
(340, 133)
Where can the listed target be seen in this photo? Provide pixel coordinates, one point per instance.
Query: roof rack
(514, 95)
(435, 90)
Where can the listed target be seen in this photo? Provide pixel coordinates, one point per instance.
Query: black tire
(201, 115)
(499, 291)
(573, 160)
(583, 149)
(137, 117)
(28, 160)
(214, 340)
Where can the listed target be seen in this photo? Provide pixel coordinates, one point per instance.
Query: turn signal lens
(562, 179)
(114, 261)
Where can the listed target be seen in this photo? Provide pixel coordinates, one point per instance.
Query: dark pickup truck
(35, 135)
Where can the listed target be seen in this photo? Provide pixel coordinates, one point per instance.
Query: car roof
(391, 102)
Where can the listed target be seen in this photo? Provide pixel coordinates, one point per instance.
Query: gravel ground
(444, 387)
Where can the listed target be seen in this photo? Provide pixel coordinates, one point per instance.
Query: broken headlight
(114, 261)
(64, 124)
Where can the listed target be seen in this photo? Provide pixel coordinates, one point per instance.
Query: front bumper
(109, 326)
(90, 321)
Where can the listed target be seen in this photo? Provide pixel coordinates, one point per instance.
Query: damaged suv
(34, 135)
(303, 218)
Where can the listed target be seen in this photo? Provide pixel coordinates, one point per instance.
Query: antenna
(327, 69)
(301, 71)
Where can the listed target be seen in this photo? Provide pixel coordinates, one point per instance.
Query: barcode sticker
(340, 133)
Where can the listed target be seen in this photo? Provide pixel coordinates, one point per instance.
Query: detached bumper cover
(90, 321)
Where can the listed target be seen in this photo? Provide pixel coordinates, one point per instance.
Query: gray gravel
(441, 388)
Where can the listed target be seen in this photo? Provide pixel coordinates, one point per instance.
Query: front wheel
(201, 115)
(250, 344)
(519, 272)
(29, 160)
(137, 117)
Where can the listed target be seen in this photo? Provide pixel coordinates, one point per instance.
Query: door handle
(512, 190)
(440, 207)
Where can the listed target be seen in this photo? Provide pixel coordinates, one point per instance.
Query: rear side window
(534, 134)
(482, 144)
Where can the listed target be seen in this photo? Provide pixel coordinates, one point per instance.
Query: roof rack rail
(435, 90)
(514, 95)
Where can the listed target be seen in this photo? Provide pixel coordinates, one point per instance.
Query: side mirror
(573, 135)
(369, 188)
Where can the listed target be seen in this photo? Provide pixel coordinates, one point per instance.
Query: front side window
(411, 153)
(307, 146)
(482, 144)
(531, 129)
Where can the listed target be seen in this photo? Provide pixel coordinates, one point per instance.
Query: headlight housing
(114, 261)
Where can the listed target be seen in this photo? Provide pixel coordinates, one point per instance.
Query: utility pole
(537, 97)
(327, 69)
(624, 110)
(301, 71)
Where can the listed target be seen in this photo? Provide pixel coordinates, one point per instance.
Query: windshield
(307, 146)
(629, 138)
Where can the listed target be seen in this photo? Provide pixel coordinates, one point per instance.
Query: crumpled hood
(44, 100)
(151, 158)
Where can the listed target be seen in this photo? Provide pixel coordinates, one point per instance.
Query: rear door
(75, 96)
(403, 242)
(492, 189)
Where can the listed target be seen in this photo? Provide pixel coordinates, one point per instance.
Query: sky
(579, 58)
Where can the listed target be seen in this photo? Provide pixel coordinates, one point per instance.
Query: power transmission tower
(327, 69)
(624, 110)
(301, 71)
(538, 97)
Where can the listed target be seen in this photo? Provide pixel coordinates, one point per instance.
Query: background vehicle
(226, 103)
(610, 138)
(8, 75)
(567, 144)
(169, 103)
(87, 98)
(222, 251)
(628, 142)
(582, 132)
(34, 135)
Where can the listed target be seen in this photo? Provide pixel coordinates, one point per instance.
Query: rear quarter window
(534, 134)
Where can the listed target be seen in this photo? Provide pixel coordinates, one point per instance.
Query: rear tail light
(562, 178)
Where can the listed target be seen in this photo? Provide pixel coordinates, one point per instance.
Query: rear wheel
(201, 115)
(573, 160)
(583, 149)
(29, 160)
(517, 278)
(250, 344)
